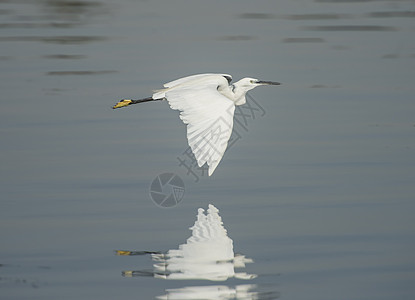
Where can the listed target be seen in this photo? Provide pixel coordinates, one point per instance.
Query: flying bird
(206, 103)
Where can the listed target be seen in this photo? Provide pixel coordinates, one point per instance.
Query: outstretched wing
(207, 113)
(193, 77)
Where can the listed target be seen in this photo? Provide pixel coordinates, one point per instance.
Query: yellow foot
(127, 273)
(122, 252)
(122, 103)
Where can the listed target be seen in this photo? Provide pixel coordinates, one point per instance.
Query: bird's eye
(252, 81)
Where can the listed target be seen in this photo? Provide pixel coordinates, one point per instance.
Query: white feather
(207, 113)
(191, 78)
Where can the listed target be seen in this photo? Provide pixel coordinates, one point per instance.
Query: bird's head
(250, 83)
(246, 84)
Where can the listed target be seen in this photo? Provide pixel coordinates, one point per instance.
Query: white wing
(189, 81)
(193, 77)
(207, 113)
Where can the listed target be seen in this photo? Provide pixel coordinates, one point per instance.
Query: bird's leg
(126, 102)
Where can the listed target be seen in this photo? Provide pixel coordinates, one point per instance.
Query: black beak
(268, 82)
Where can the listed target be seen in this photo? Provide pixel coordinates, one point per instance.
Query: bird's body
(206, 103)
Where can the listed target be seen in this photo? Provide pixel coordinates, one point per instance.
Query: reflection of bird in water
(207, 254)
(206, 103)
(244, 291)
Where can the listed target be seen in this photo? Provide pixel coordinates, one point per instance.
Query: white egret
(206, 103)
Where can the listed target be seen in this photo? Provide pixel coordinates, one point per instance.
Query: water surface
(317, 188)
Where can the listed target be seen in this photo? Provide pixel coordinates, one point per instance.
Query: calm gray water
(318, 189)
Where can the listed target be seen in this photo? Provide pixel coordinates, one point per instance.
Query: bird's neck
(234, 93)
(239, 93)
